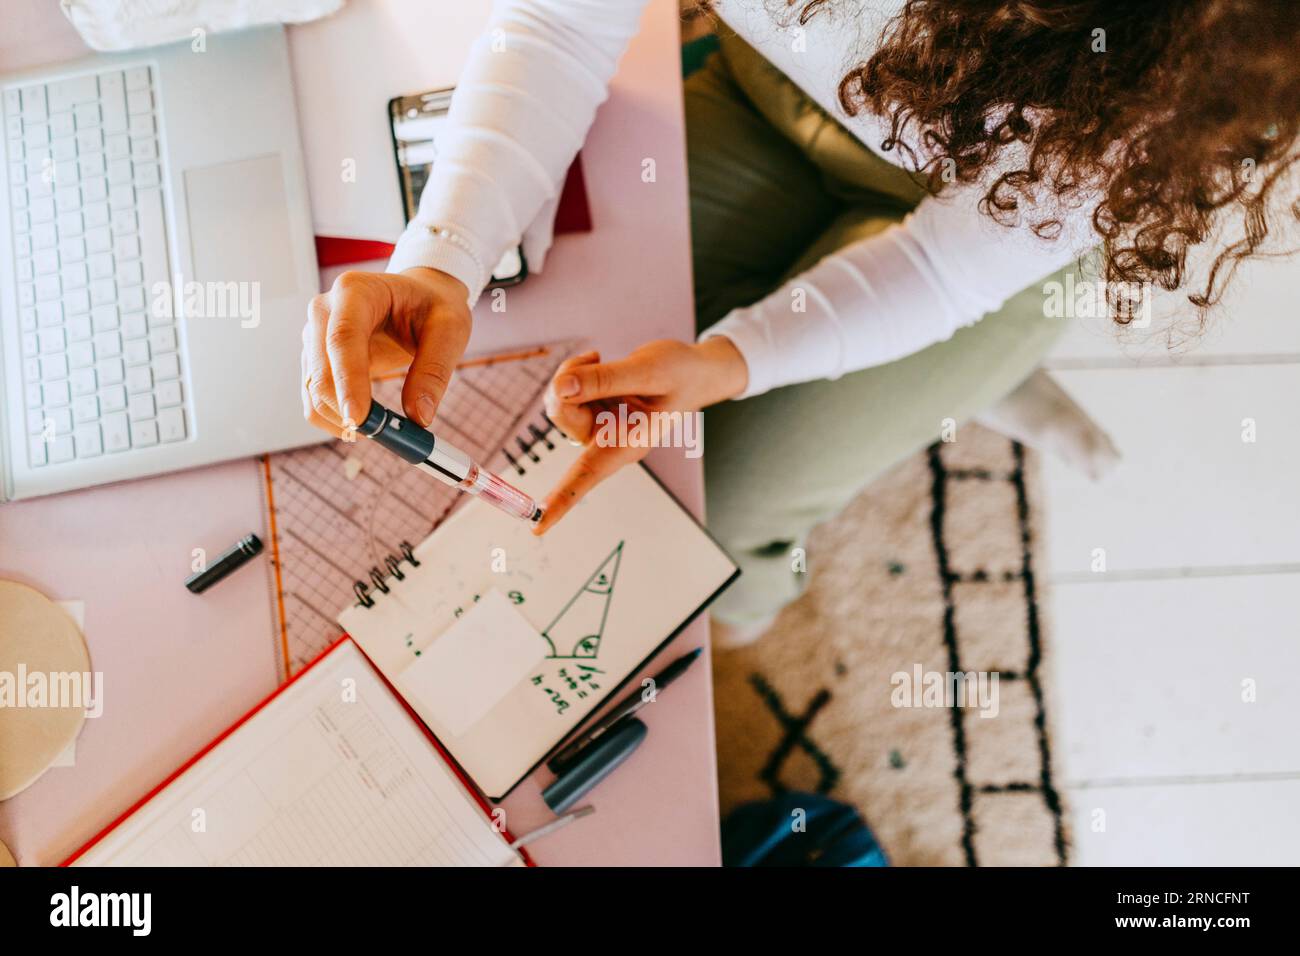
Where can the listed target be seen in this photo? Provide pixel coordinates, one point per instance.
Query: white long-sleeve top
(523, 107)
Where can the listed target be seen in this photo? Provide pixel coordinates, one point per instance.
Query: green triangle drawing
(577, 629)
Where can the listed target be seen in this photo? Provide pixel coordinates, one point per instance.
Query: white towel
(128, 24)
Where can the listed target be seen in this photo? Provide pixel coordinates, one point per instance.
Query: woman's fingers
(357, 304)
(320, 400)
(575, 421)
(430, 318)
(594, 465)
(438, 348)
(308, 409)
(325, 425)
(634, 375)
(583, 358)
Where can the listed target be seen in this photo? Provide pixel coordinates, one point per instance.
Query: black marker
(244, 550)
(594, 764)
(628, 706)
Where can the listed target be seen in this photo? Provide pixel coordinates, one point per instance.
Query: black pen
(625, 708)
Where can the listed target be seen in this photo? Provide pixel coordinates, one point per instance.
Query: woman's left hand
(663, 376)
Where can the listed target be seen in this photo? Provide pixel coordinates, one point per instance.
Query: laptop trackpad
(239, 225)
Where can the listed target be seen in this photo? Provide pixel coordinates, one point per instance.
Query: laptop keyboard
(101, 362)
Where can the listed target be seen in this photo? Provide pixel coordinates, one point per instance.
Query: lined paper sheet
(333, 772)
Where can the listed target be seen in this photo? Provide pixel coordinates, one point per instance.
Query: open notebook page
(620, 574)
(331, 772)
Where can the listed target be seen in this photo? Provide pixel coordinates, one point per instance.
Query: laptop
(156, 261)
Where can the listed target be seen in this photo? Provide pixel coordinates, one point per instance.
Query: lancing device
(445, 462)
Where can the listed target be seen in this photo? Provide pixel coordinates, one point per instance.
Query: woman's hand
(663, 376)
(374, 323)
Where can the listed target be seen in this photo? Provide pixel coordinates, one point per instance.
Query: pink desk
(179, 668)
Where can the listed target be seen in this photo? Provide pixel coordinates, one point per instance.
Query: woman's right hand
(374, 323)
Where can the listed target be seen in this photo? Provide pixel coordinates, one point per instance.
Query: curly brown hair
(1181, 115)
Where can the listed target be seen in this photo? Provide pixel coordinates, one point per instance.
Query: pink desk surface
(179, 668)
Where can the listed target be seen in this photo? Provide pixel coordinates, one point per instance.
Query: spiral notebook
(503, 642)
(330, 770)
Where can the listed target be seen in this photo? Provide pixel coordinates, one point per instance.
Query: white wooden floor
(1163, 757)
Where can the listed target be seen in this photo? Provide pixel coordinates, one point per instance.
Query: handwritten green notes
(503, 641)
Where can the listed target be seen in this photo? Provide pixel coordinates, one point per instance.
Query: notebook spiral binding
(527, 450)
(527, 445)
(393, 563)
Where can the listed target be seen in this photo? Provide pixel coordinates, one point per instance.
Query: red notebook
(572, 215)
(333, 769)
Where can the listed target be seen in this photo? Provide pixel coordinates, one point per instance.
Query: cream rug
(929, 571)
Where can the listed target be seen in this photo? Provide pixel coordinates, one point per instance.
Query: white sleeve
(944, 267)
(521, 109)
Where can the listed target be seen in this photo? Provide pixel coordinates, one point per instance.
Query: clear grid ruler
(337, 510)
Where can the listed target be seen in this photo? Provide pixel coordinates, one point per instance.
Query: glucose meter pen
(445, 462)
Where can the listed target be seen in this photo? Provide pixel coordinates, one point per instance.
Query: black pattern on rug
(947, 577)
(933, 566)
